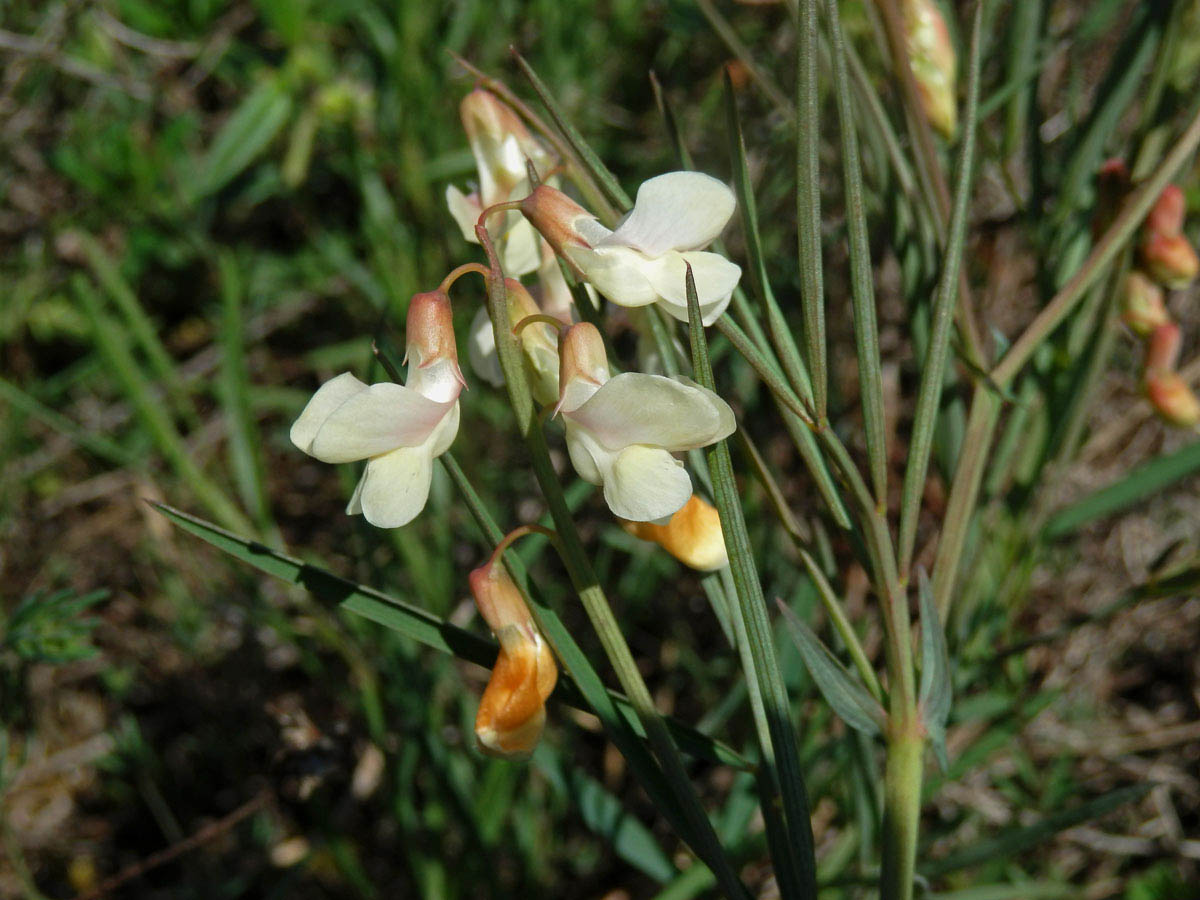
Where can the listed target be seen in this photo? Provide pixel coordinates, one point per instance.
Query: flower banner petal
(634, 408)
(675, 211)
(374, 421)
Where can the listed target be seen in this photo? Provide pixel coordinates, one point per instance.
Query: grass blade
(808, 204)
(934, 368)
(246, 134)
(862, 291)
(1144, 481)
(936, 687)
(589, 159)
(105, 449)
(111, 345)
(1009, 843)
(781, 759)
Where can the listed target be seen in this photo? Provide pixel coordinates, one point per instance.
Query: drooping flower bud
(1172, 399)
(934, 63)
(583, 365)
(512, 711)
(560, 220)
(500, 143)
(1143, 306)
(537, 340)
(1166, 216)
(693, 536)
(1170, 259)
(1162, 350)
(431, 349)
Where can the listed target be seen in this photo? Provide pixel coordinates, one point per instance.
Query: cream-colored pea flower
(398, 429)
(645, 259)
(622, 430)
(501, 144)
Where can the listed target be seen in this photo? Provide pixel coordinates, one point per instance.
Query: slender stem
(536, 319)
(985, 406)
(933, 376)
(808, 205)
(460, 271)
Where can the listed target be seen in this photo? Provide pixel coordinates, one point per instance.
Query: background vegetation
(207, 207)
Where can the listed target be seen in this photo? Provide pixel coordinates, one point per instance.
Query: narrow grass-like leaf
(678, 144)
(114, 350)
(934, 367)
(1142, 482)
(936, 686)
(862, 291)
(161, 364)
(808, 204)
(245, 445)
(246, 134)
(844, 694)
(594, 166)
(743, 54)
(1016, 840)
(780, 754)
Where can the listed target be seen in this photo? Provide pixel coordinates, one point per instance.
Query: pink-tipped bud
(501, 144)
(1143, 307)
(1172, 399)
(934, 63)
(431, 350)
(1162, 351)
(583, 365)
(512, 711)
(1169, 259)
(1166, 216)
(557, 217)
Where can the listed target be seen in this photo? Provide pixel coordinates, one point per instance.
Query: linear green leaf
(808, 204)
(845, 695)
(1142, 482)
(600, 174)
(933, 374)
(780, 754)
(862, 291)
(101, 446)
(1009, 843)
(936, 686)
(246, 134)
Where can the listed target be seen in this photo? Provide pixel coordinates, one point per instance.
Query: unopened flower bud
(1162, 350)
(512, 711)
(693, 535)
(583, 365)
(1144, 309)
(934, 63)
(1169, 259)
(500, 143)
(1172, 399)
(1166, 216)
(537, 341)
(561, 221)
(431, 349)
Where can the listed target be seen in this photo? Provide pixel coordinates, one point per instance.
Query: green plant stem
(985, 405)
(933, 375)
(901, 810)
(587, 586)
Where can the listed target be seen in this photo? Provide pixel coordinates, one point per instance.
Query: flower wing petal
(375, 420)
(328, 398)
(620, 274)
(634, 408)
(395, 486)
(675, 211)
(465, 210)
(646, 484)
(715, 277)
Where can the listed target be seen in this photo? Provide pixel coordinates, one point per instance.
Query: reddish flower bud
(1169, 259)
(431, 349)
(1172, 399)
(557, 217)
(1162, 351)
(583, 365)
(1166, 216)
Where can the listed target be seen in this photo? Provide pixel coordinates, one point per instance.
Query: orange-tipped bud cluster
(1165, 253)
(693, 535)
(1173, 400)
(512, 711)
